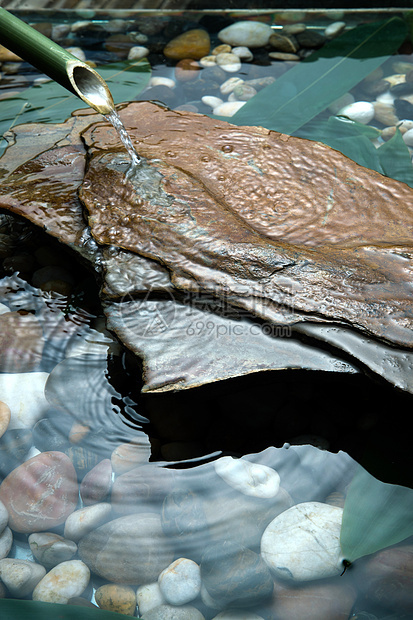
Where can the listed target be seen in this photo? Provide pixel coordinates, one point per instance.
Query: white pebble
(229, 62)
(180, 582)
(64, 581)
(148, 597)
(303, 542)
(211, 101)
(78, 52)
(208, 61)
(339, 103)
(83, 521)
(360, 111)
(248, 478)
(20, 576)
(229, 108)
(162, 81)
(6, 541)
(408, 137)
(24, 394)
(137, 52)
(228, 86)
(405, 124)
(4, 517)
(334, 29)
(243, 52)
(246, 34)
(386, 98)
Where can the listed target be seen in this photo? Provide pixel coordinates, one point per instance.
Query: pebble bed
(87, 515)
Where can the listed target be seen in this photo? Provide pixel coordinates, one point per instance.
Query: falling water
(113, 118)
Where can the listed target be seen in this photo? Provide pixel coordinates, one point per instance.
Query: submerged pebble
(20, 576)
(83, 521)
(63, 582)
(51, 549)
(248, 478)
(180, 582)
(246, 33)
(23, 393)
(117, 598)
(148, 597)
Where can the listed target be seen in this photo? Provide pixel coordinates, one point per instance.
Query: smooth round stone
(51, 433)
(234, 575)
(187, 70)
(229, 108)
(184, 523)
(41, 493)
(283, 56)
(244, 53)
(248, 478)
(283, 43)
(21, 343)
(246, 34)
(243, 92)
(5, 416)
(162, 81)
(229, 85)
(116, 598)
(303, 542)
(310, 39)
(63, 582)
(229, 62)
(221, 49)
(360, 111)
(385, 113)
(334, 29)
(148, 597)
(129, 455)
(129, 550)
(180, 582)
(212, 102)
(208, 61)
(97, 483)
(4, 517)
(237, 614)
(169, 612)
(24, 394)
(6, 541)
(83, 521)
(137, 52)
(141, 489)
(190, 44)
(20, 576)
(408, 137)
(51, 549)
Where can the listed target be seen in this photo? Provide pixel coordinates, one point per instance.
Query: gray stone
(6, 541)
(169, 612)
(20, 576)
(4, 517)
(129, 550)
(180, 582)
(50, 549)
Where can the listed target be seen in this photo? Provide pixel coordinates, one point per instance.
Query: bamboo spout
(70, 72)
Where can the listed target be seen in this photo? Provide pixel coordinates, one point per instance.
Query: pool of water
(211, 487)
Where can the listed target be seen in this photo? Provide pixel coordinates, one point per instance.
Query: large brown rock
(41, 493)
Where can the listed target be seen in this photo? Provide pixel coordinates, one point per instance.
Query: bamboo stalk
(75, 75)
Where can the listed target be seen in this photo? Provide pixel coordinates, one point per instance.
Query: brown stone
(78, 432)
(187, 70)
(283, 43)
(97, 483)
(5, 415)
(8, 56)
(119, 44)
(41, 493)
(116, 598)
(191, 44)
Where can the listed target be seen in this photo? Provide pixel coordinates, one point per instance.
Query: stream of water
(114, 119)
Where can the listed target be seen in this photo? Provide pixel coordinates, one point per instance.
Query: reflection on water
(177, 498)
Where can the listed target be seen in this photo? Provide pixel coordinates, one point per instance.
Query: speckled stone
(40, 493)
(180, 582)
(63, 582)
(116, 598)
(303, 542)
(191, 44)
(51, 549)
(20, 576)
(97, 483)
(234, 575)
(129, 550)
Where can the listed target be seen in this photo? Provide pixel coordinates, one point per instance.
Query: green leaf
(395, 159)
(308, 88)
(51, 103)
(376, 515)
(12, 609)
